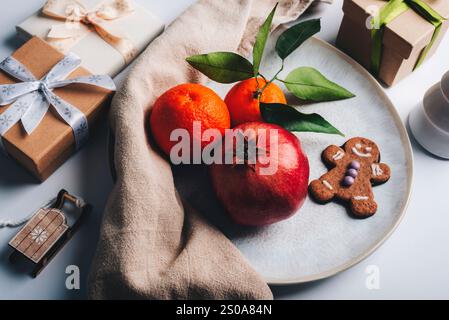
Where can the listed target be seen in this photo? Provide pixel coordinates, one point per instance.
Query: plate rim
(409, 158)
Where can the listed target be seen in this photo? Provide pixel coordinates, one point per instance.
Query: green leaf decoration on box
(391, 11)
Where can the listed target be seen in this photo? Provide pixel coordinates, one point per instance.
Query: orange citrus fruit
(180, 106)
(243, 104)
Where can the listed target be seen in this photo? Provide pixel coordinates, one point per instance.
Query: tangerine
(243, 101)
(180, 107)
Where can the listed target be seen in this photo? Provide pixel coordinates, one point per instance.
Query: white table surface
(412, 264)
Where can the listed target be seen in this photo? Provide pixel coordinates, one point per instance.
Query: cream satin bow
(79, 21)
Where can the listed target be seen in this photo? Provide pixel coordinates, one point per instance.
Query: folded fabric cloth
(151, 245)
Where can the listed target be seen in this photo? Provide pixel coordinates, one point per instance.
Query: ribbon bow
(31, 98)
(79, 21)
(388, 13)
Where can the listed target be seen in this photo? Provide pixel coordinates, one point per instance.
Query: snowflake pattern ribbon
(30, 99)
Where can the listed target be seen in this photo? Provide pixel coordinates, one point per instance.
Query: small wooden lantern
(47, 232)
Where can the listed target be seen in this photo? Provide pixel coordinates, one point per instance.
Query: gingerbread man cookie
(354, 168)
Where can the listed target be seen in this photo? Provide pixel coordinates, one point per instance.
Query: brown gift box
(52, 142)
(403, 41)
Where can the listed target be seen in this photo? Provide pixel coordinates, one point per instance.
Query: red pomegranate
(266, 183)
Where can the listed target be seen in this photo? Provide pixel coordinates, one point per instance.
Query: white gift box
(98, 56)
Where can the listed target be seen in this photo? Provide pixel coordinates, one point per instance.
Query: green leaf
(309, 84)
(293, 120)
(223, 67)
(293, 37)
(261, 41)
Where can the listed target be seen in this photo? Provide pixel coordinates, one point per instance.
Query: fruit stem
(286, 82)
(263, 77)
(257, 81)
(259, 92)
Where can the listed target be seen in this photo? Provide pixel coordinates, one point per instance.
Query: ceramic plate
(322, 240)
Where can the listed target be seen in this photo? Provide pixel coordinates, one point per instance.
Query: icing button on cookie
(352, 172)
(348, 181)
(354, 165)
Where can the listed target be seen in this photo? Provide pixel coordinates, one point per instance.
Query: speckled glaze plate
(322, 240)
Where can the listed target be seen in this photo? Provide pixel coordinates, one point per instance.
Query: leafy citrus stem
(259, 90)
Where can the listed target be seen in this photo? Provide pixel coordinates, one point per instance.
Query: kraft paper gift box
(52, 142)
(403, 40)
(137, 26)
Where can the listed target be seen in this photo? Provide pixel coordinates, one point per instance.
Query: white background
(413, 263)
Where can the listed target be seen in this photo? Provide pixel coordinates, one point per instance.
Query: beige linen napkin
(151, 246)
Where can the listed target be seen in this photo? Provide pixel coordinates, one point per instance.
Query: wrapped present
(392, 38)
(105, 34)
(48, 104)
